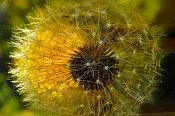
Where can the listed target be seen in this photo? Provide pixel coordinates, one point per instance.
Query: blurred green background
(13, 13)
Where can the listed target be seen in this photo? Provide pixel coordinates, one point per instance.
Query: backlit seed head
(85, 58)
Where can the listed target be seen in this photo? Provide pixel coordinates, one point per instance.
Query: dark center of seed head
(93, 66)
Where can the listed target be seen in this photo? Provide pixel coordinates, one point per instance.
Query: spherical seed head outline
(44, 47)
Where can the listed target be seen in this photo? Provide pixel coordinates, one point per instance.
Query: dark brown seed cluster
(94, 66)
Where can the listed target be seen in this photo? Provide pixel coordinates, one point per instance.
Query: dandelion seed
(121, 38)
(134, 71)
(117, 56)
(100, 42)
(103, 11)
(134, 52)
(106, 67)
(108, 25)
(87, 64)
(75, 15)
(89, 14)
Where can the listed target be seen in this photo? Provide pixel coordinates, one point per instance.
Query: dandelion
(85, 58)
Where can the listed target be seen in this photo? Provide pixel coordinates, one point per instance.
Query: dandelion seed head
(87, 58)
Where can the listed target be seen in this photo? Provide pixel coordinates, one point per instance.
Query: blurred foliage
(166, 14)
(13, 13)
